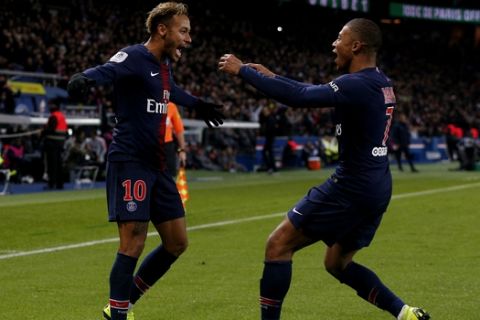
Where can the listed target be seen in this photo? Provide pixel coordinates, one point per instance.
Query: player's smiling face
(342, 47)
(177, 37)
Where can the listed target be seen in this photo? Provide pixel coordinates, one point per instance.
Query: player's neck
(155, 48)
(362, 62)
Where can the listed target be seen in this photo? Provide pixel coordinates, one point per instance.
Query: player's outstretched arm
(79, 85)
(211, 113)
(287, 91)
(230, 64)
(262, 69)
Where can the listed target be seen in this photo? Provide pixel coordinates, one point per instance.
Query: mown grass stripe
(222, 223)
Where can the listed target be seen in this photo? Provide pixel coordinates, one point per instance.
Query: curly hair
(162, 14)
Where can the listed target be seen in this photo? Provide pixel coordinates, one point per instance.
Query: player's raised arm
(287, 91)
(116, 67)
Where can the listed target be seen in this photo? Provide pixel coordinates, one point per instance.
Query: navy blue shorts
(333, 216)
(136, 192)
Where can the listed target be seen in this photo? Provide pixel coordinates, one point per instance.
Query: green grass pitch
(426, 250)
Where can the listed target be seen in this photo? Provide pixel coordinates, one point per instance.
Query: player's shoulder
(127, 53)
(364, 78)
(345, 82)
(375, 75)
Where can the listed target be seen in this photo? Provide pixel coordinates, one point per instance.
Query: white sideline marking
(95, 242)
(221, 223)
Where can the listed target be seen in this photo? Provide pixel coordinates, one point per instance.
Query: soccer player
(139, 189)
(346, 210)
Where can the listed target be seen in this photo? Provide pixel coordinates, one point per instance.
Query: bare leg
(132, 240)
(157, 263)
(132, 237)
(277, 272)
(174, 235)
(365, 282)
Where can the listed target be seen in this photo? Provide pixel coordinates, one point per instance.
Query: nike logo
(296, 211)
(154, 74)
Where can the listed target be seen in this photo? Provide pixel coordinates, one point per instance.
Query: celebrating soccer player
(139, 189)
(346, 210)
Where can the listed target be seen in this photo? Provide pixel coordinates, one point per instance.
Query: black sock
(274, 287)
(121, 278)
(369, 287)
(152, 268)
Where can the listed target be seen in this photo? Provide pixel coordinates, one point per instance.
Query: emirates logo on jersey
(166, 96)
(156, 107)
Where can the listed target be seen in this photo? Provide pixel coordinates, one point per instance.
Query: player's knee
(176, 248)
(275, 250)
(334, 267)
(133, 248)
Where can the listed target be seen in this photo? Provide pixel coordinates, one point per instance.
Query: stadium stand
(434, 65)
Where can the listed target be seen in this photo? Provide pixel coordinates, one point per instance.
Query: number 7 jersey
(364, 102)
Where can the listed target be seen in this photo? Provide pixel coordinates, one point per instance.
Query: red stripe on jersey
(141, 285)
(119, 304)
(165, 76)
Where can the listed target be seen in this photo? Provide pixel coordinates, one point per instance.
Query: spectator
(95, 148)
(75, 154)
(400, 135)
(268, 128)
(13, 159)
(55, 133)
(468, 148)
(435, 93)
(7, 101)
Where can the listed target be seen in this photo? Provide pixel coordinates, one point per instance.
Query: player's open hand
(78, 86)
(262, 69)
(230, 64)
(210, 113)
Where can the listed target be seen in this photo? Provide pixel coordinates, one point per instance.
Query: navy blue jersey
(364, 103)
(143, 87)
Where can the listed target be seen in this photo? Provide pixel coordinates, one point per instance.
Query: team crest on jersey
(131, 206)
(120, 56)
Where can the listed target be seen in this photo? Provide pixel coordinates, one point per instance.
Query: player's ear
(162, 29)
(357, 46)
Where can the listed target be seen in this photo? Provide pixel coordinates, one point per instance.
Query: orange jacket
(56, 127)
(61, 122)
(174, 122)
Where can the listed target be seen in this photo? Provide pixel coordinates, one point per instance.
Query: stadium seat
(85, 176)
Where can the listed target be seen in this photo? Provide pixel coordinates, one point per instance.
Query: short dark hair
(162, 13)
(367, 31)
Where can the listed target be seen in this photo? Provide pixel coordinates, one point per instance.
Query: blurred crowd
(435, 68)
